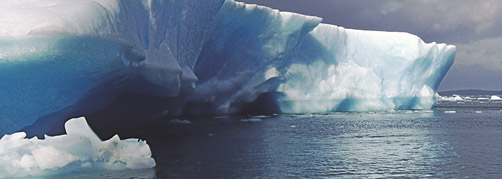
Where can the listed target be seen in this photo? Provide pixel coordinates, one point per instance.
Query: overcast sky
(474, 26)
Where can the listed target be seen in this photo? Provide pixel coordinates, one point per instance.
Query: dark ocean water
(434, 143)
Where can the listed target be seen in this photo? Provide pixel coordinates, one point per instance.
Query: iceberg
(60, 59)
(495, 98)
(261, 60)
(80, 150)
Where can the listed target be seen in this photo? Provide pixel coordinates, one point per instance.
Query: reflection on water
(361, 145)
(406, 144)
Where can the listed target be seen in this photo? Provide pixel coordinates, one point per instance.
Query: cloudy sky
(474, 26)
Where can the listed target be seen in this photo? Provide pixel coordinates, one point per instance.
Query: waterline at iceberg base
(120, 62)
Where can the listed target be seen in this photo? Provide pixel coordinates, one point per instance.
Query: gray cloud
(474, 26)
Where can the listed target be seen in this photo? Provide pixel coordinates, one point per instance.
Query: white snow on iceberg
(80, 150)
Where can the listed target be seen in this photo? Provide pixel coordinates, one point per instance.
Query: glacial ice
(451, 98)
(77, 151)
(60, 59)
(307, 66)
(495, 98)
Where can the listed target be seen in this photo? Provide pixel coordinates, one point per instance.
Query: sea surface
(459, 138)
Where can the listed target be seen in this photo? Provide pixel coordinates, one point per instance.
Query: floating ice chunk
(495, 98)
(78, 150)
(425, 111)
(451, 98)
(478, 112)
(450, 112)
(254, 120)
(251, 120)
(177, 121)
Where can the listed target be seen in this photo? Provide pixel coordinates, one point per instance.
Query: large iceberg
(293, 63)
(60, 59)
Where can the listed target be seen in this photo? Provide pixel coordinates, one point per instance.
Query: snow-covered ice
(251, 120)
(451, 98)
(80, 150)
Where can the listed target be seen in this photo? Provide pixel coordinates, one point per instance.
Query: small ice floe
(292, 126)
(251, 120)
(261, 116)
(408, 112)
(450, 112)
(79, 150)
(426, 111)
(458, 98)
(451, 98)
(478, 112)
(484, 99)
(254, 120)
(177, 121)
(495, 98)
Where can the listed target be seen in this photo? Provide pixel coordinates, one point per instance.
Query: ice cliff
(60, 59)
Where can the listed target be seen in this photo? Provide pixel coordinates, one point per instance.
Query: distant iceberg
(60, 59)
(495, 98)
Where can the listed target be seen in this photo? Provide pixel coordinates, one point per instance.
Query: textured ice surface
(77, 151)
(355, 70)
(306, 66)
(60, 59)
